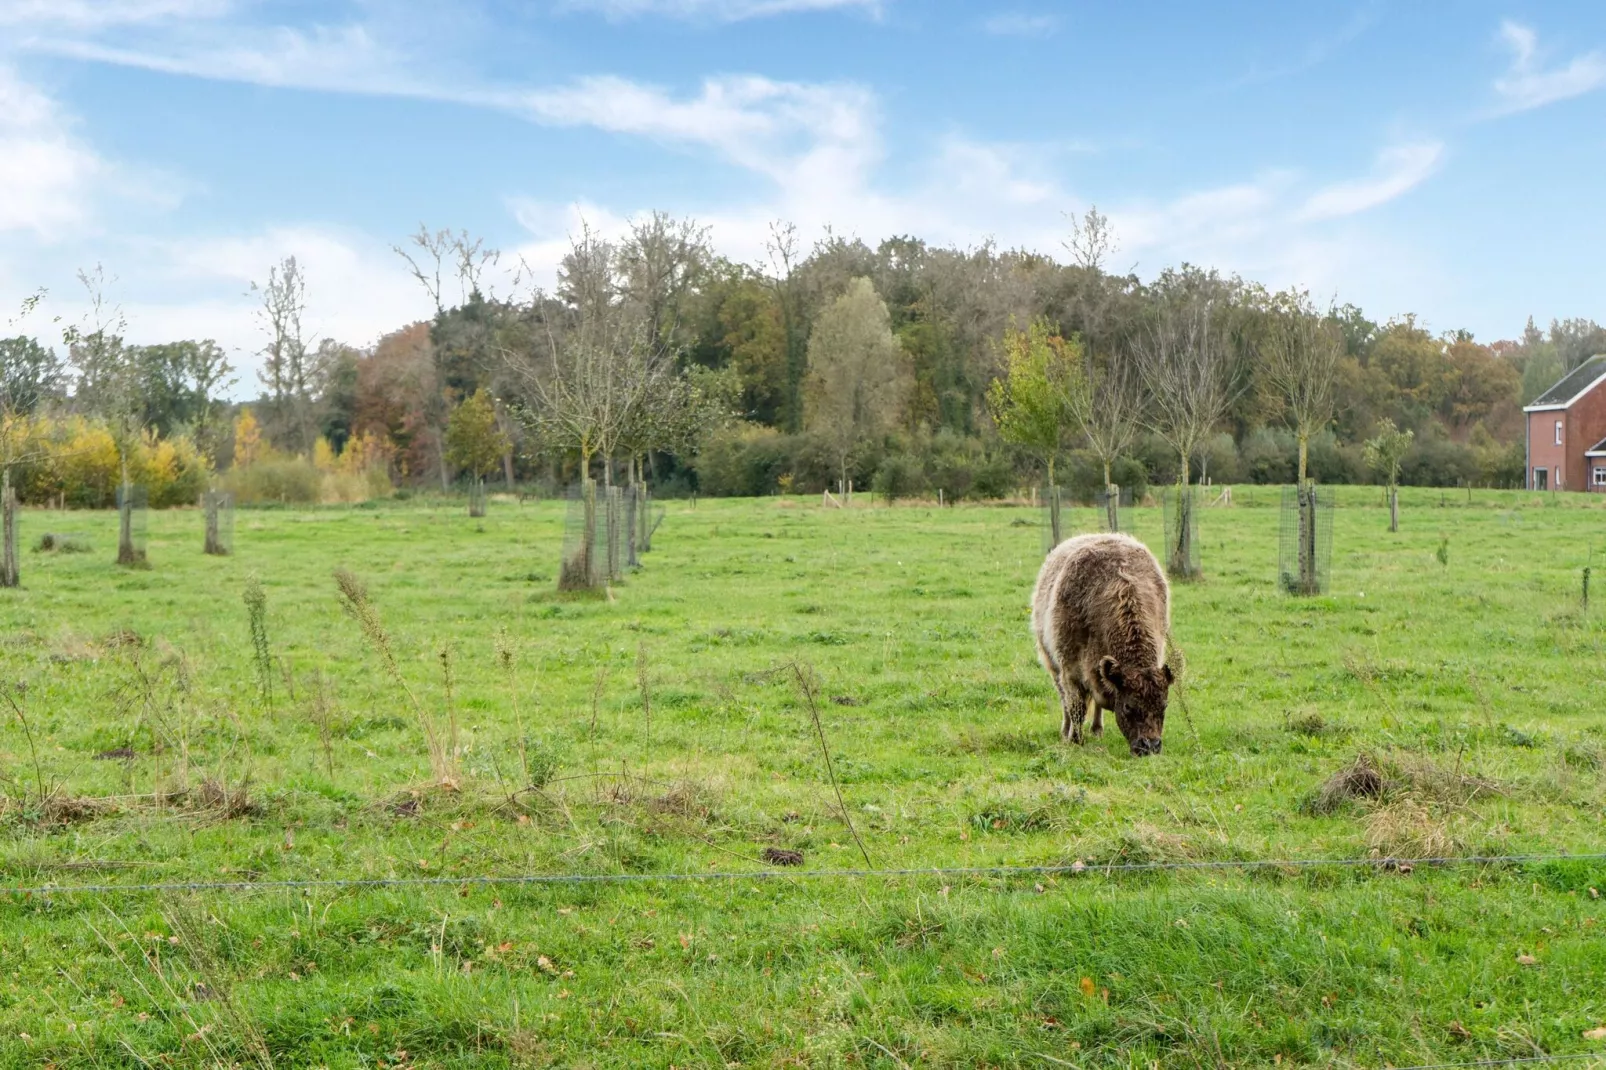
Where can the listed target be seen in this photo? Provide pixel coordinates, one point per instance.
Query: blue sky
(1444, 159)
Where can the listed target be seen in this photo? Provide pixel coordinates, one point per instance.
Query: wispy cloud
(714, 10)
(1400, 169)
(1021, 24)
(101, 14)
(1527, 84)
(339, 58)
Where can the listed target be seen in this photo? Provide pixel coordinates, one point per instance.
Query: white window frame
(1558, 432)
(1599, 476)
(1540, 470)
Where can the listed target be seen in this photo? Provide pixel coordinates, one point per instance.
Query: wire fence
(1305, 542)
(1074, 869)
(218, 508)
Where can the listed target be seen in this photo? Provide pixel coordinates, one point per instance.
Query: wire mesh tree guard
(131, 524)
(1181, 508)
(218, 508)
(1054, 508)
(1305, 542)
(477, 496)
(629, 522)
(1110, 506)
(10, 567)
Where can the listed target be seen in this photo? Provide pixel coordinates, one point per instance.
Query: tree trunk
(1181, 550)
(210, 503)
(1304, 450)
(126, 554)
(440, 459)
(1394, 507)
(1305, 497)
(476, 496)
(577, 573)
(9, 572)
(507, 468)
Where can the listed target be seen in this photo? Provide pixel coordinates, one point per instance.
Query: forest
(653, 356)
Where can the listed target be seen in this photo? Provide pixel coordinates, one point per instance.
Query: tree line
(904, 366)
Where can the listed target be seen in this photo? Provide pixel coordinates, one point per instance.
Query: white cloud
(792, 132)
(1020, 24)
(47, 176)
(1400, 169)
(714, 10)
(1527, 85)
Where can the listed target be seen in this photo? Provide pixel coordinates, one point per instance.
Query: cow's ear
(1110, 671)
(1170, 677)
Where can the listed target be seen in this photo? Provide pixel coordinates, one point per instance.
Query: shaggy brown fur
(1100, 614)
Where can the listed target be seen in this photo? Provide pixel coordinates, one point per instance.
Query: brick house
(1567, 431)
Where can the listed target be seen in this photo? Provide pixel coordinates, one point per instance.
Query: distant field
(1473, 684)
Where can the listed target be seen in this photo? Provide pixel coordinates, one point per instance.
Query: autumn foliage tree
(475, 443)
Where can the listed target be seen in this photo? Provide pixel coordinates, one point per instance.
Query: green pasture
(1445, 699)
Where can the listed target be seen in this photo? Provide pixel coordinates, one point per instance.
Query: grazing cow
(1100, 614)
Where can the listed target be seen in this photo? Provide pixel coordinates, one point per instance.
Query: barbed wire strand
(1072, 869)
(1516, 1060)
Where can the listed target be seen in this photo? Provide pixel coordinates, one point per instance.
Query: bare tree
(658, 265)
(857, 382)
(1299, 363)
(1092, 239)
(1185, 363)
(1109, 412)
(108, 382)
(784, 255)
(589, 365)
(285, 371)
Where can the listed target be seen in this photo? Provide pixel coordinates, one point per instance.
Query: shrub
(899, 476)
(275, 478)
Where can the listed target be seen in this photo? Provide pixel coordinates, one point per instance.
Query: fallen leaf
(1087, 987)
(1527, 960)
(1598, 1033)
(1456, 1029)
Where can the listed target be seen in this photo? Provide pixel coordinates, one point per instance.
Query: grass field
(663, 730)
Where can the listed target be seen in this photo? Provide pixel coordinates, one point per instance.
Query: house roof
(1597, 450)
(1574, 385)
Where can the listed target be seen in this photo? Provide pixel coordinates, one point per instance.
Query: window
(1541, 479)
(1599, 475)
(1558, 432)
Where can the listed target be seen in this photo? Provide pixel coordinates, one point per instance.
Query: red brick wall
(1586, 425)
(1583, 425)
(1542, 449)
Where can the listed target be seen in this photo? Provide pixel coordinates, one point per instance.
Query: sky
(1443, 160)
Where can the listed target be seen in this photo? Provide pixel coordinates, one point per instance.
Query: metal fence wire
(630, 529)
(1181, 509)
(132, 513)
(1305, 542)
(218, 508)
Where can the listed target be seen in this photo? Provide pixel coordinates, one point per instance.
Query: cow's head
(1140, 695)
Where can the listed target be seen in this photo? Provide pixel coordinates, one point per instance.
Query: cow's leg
(1075, 702)
(1097, 727)
(1053, 670)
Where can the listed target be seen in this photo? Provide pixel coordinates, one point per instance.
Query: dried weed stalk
(355, 602)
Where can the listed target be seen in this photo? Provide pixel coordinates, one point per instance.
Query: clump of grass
(52, 543)
(1361, 779)
(1407, 827)
(229, 802)
(355, 602)
(1313, 724)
